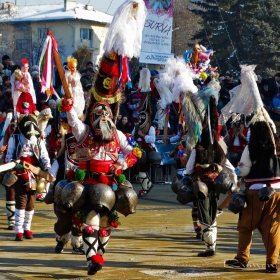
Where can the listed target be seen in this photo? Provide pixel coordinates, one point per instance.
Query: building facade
(23, 30)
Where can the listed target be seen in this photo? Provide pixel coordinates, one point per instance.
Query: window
(22, 44)
(86, 34)
(22, 27)
(42, 33)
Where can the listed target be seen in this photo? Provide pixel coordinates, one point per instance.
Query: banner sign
(154, 58)
(157, 32)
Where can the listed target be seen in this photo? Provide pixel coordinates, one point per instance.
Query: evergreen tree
(241, 32)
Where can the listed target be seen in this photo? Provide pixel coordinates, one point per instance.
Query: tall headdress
(123, 41)
(246, 100)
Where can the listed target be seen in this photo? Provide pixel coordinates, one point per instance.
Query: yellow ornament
(203, 76)
(137, 152)
(107, 83)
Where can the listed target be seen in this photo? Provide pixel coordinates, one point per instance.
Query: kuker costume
(26, 145)
(100, 189)
(259, 206)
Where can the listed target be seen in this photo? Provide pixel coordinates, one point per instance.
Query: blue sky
(109, 6)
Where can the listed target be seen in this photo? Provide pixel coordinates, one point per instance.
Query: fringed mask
(28, 127)
(101, 121)
(144, 121)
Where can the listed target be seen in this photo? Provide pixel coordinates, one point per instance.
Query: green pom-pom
(59, 107)
(121, 178)
(80, 175)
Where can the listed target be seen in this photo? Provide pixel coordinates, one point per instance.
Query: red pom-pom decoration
(97, 259)
(103, 180)
(119, 172)
(130, 160)
(103, 233)
(70, 175)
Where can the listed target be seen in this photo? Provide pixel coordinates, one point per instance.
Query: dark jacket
(224, 92)
(86, 82)
(265, 170)
(272, 88)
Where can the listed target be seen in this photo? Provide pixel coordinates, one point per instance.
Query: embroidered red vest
(87, 150)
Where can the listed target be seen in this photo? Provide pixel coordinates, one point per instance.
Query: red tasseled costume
(25, 97)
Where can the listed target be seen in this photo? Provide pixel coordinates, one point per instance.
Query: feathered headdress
(123, 41)
(246, 97)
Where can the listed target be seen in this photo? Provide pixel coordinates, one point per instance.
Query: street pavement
(157, 242)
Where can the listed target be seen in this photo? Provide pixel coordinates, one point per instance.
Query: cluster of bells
(188, 190)
(71, 196)
(39, 185)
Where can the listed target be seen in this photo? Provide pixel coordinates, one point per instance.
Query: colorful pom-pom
(70, 175)
(130, 160)
(137, 152)
(97, 258)
(180, 153)
(181, 147)
(80, 175)
(119, 172)
(114, 187)
(131, 142)
(121, 178)
(103, 179)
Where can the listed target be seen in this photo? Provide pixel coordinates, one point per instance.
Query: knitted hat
(34, 73)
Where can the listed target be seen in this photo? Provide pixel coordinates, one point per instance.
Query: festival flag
(47, 64)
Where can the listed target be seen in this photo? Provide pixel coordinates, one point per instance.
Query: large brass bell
(41, 184)
(9, 179)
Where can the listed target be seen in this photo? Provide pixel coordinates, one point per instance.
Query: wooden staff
(165, 130)
(227, 199)
(61, 74)
(225, 202)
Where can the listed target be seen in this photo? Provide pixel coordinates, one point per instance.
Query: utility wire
(234, 50)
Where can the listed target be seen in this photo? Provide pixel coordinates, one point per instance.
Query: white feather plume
(178, 77)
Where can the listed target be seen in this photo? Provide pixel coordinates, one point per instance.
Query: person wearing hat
(21, 81)
(26, 145)
(206, 161)
(89, 64)
(99, 143)
(259, 165)
(87, 79)
(145, 135)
